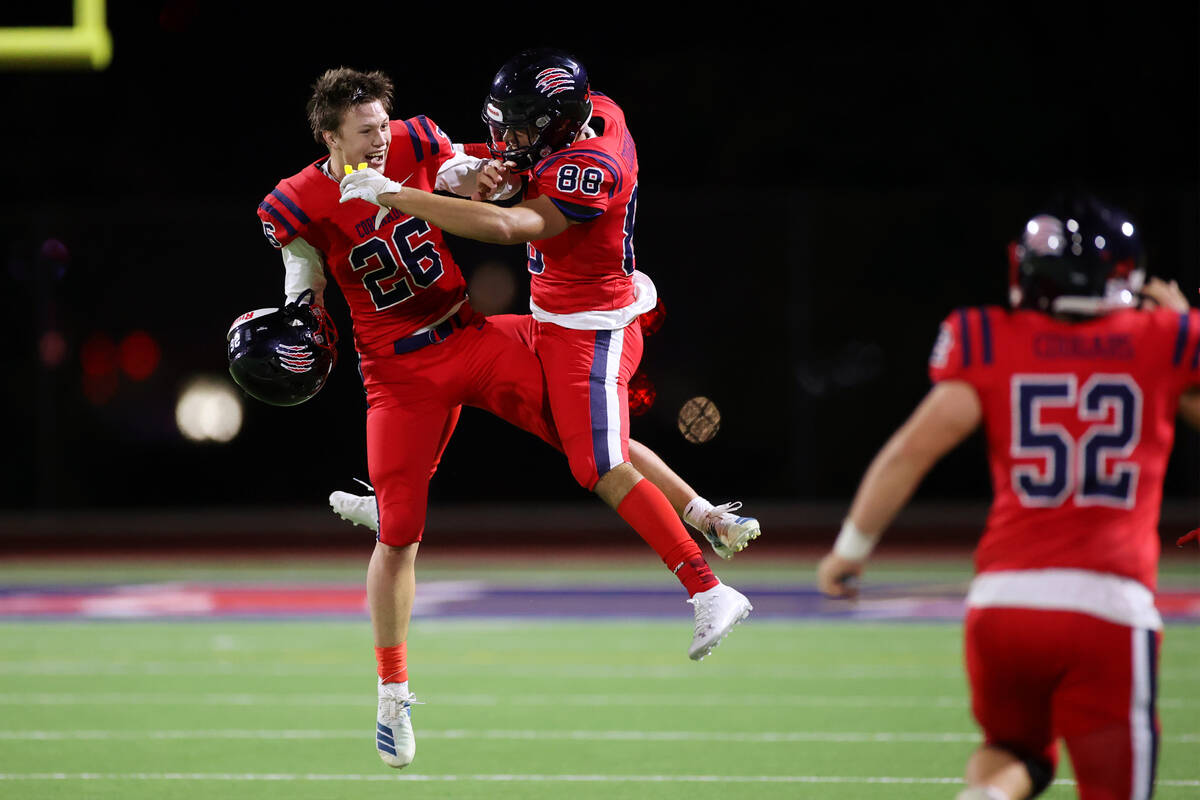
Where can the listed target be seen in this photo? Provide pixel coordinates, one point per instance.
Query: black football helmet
(1077, 256)
(282, 356)
(542, 95)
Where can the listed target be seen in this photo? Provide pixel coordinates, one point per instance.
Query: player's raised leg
(728, 532)
(362, 509)
(587, 375)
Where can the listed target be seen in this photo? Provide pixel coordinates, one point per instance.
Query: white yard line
(211, 667)
(504, 700)
(759, 737)
(517, 670)
(501, 778)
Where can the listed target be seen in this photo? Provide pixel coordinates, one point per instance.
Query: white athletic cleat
(727, 532)
(356, 508)
(717, 611)
(393, 726)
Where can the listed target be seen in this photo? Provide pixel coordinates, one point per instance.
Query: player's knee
(583, 470)
(1040, 769)
(1041, 773)
(399, 527)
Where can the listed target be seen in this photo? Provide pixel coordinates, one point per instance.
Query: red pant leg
(516, 326)
(1012, 682)
(505, 376)
(587, 380)
(1037, 675)
(1105, 710)
(413, 402)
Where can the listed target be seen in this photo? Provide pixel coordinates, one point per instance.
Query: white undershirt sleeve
(458, 175)
(303, 268)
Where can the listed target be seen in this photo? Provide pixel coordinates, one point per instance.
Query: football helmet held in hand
(283, 356)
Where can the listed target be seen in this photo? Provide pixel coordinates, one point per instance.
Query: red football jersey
(1079, 419)
(396, 279)
(588, 266)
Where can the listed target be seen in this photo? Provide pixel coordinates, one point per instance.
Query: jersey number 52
(1093, 468)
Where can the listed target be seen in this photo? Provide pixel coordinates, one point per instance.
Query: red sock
(649, 512)
(393, 663)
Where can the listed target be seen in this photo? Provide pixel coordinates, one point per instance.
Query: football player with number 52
(1077, 388)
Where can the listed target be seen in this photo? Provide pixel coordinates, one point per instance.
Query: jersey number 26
(419, 258)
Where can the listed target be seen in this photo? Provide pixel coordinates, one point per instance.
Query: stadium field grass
(520, 708)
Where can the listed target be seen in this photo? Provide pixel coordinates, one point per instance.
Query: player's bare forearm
(890, 481)
(467, 218)
(944, 418)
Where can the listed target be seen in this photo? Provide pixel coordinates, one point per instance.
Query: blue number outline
(422, 263)
(1106, 483)
(1049, 442)
(1090, 470)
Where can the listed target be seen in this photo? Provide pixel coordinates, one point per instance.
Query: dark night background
(816, 194)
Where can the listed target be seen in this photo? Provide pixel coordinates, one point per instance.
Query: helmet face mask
(1078, 257)
(282, 356)
(538, 103)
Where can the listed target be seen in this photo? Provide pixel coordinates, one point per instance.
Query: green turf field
(515, 709)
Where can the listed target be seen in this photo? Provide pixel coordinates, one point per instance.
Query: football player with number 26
(577, 218)
(423, 351)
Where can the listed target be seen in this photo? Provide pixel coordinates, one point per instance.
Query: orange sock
(649, 512)
(392, 663)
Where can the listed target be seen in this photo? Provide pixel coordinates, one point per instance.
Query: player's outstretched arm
(946, 416)
(525, 222)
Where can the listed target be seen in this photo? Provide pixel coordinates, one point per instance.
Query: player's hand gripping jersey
(397, 279)
(1079, 423)
(594, 181)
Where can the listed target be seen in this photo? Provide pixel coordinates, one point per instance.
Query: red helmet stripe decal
(554, 80)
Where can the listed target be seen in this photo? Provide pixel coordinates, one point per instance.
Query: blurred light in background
(52, 348)
(653, 319)
(139, 355)
(54, 257)
(98, 357)
(641, 393)
(492, 288)
(209, 409)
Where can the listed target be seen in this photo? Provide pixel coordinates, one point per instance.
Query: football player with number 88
(577, 218)
(423, 352)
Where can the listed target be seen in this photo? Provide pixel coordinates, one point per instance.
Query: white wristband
(852, 544)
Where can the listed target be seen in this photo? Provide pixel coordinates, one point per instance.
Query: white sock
(983, 793)
(694, 513)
